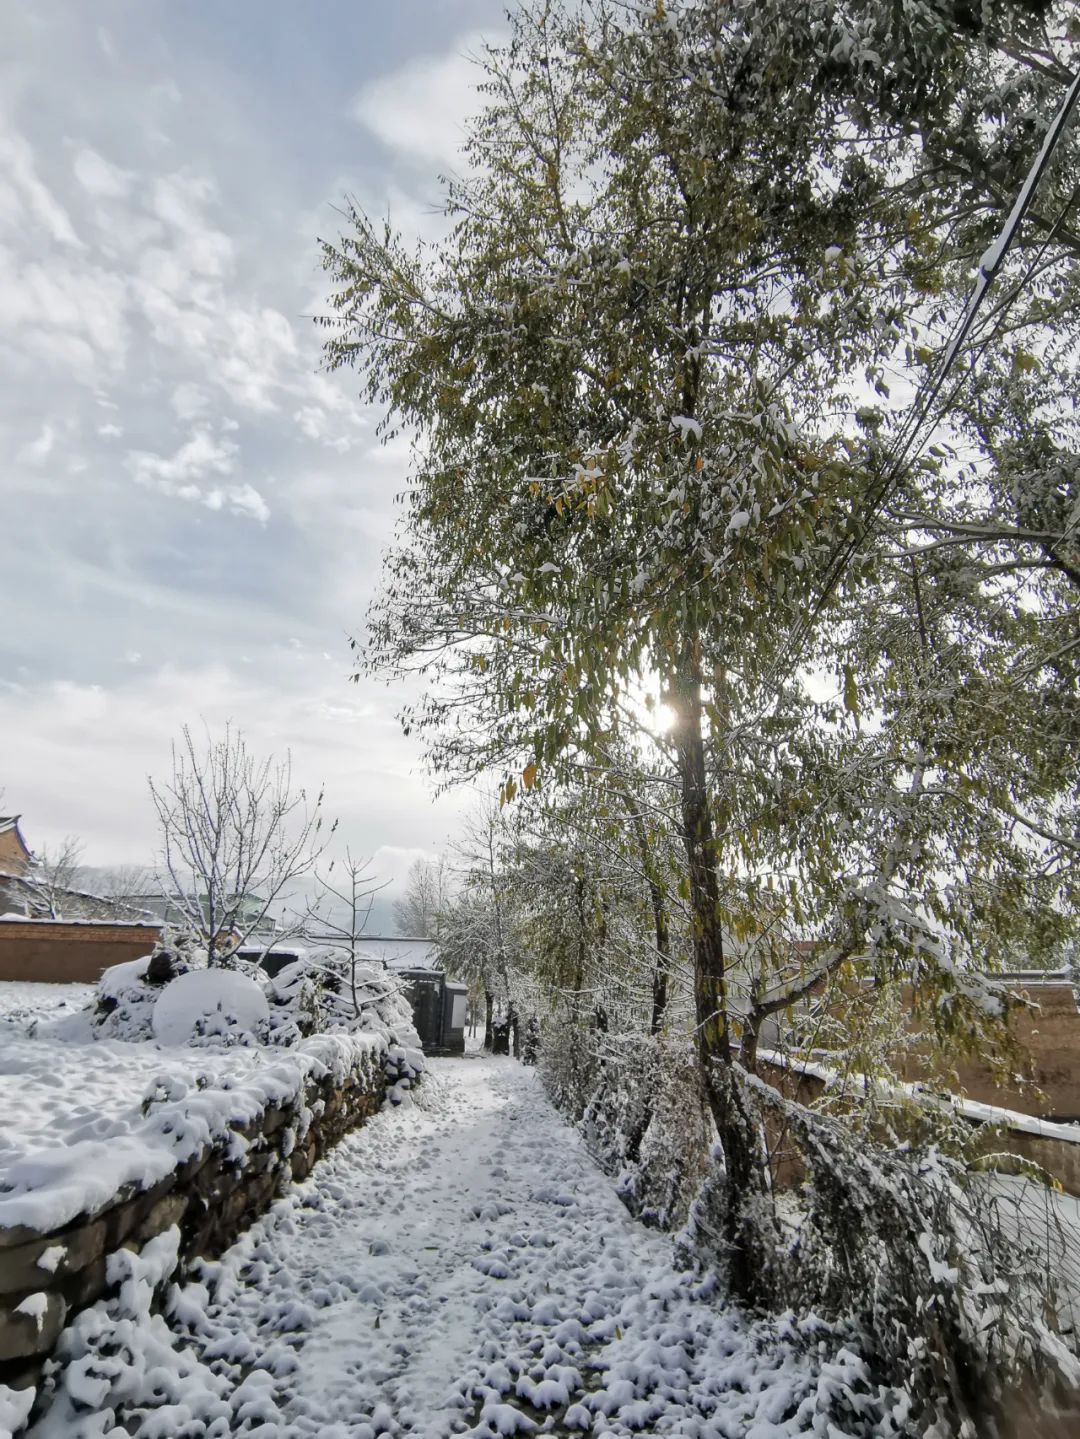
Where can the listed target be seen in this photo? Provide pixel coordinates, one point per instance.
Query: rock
(32, 1329)
(19, 1267)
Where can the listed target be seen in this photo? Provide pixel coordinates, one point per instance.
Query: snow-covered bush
(898, 1244)
(673, 1156)
(173, 997)
(637, 1100)
(569, 1067)
(892, 1245)
(326, 989)
(127, 993)
(212, 1006)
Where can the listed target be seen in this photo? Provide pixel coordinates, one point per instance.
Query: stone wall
(69, 952)
(47, 1278)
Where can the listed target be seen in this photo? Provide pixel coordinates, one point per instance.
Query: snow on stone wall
(210, 1162)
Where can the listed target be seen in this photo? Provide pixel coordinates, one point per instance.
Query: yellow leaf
(528, 775)
(851, 691)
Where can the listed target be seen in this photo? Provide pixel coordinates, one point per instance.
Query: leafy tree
(479, 934)
(595, 520)
(693, 237)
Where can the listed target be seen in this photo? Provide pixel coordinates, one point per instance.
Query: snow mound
(218, 1005)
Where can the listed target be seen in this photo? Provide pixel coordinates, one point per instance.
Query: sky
(191, 513)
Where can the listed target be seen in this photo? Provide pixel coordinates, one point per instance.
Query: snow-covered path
(460, 1266)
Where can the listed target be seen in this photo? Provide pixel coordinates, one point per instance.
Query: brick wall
(60, 952)
(12, 854)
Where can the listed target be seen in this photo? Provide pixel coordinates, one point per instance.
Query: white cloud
(248, 351)
(420, 110)
(190, 401)
(27, 196)
(152, 280)
(255, 361)
(197, 457)
(52, 302)
(66, 354)
(180, 474)
(243, 500)
(99, 177)
(37, 450)
(179, 201)
(367, 763)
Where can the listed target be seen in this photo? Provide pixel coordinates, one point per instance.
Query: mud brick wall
(63, 952)
(1048, 1034)
(45, 1279)
(1059, 1157)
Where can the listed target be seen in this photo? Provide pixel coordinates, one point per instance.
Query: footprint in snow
(491, 1209)
(495, 1265)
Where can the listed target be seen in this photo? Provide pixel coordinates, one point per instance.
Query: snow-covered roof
(34, 886)
(400, 951)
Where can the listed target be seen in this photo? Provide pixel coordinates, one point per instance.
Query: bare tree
(124, 887)
(55, 875)
(416, 912)
(478, 934)
(236, 834)
(342, 910)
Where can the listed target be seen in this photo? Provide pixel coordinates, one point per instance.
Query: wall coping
(98, 929)
(970, 1109)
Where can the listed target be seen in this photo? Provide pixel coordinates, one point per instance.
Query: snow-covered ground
(24, 1000)
(54, 1094)
(457, 1266)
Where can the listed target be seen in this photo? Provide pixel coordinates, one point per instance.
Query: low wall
(69, 952)
(1002, 1131)
(46, 1278)
(1046, 1027)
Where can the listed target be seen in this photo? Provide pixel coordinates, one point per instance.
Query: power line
(989, 266)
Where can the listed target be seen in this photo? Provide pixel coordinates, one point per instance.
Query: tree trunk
(663, 960)
(489, 1010)
(699, 841)
(500, 1037)
(746, 1177)
(662, 938)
